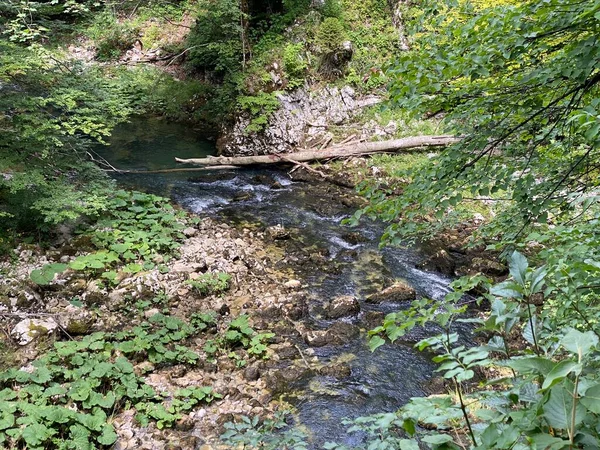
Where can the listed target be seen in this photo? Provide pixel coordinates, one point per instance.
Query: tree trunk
(364, 148)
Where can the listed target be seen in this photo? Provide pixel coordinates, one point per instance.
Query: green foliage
(519, 80)
(548, 395)
(134, 229)
(295, 64)
(238, 334)
(271, 434)
(66, 400)
(260, 107)
(211, 283)
(111, 36)
(215, 41)
(331, 35)
(332, 8)
(52, 110)
(46, 274)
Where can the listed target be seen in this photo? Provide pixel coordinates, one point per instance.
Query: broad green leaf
(7, 420)
(591, 399)
(535, 364)
(560, 371)
(408, 444)
(108, 435)
(558, 408)
(437, 439)
(36, 433)
(517, 265)
(579, 343)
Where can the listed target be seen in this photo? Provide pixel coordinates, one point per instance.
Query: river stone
(343, 306)
(341, 333)
(293, 284)
(251, 373)
(441, 262)
(488, 266)
(397, 292)
(76, 320)
(29, 329)
(316, 338)
(278, 232)
(190, 231)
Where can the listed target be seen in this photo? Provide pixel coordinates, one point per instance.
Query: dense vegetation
(519, 81)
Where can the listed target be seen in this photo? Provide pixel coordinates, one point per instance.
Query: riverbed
(341, 261)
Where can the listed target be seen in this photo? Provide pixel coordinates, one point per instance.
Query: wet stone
(343, 306)
(397, 292)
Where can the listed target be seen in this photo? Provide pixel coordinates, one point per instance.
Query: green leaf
(579, 343)
(7, 421)
(437, 439)
(408, 444)
(46, 274)
(108, 435)
(535, 364)
(375, 342)
(558, 408)
(560, 371)
(35, 434)
(591, 399)
(517, 265)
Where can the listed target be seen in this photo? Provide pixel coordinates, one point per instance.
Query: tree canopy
(519, 80)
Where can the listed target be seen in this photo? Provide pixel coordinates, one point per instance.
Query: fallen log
(363, 148)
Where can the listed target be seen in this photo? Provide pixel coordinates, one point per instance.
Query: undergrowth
(67, 398)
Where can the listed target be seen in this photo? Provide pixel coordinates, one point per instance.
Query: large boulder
(303, 117)
(397, 292)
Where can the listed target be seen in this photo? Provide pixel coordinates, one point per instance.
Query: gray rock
(303, 115)
(251, 373)
(181, 267)
(293, 284)
(151, 312)
(29, 329)
(189, 232)
(316, 338)
(341, 333)
(278, 232)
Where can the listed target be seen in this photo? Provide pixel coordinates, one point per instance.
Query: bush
(294, 63)
(331, 35)
(215, 40)
(332, 8)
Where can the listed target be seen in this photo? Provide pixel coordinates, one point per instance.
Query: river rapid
(351, 264)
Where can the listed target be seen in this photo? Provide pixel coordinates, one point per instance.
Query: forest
(401, 250)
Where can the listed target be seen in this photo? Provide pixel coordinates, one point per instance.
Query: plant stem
(574, 409)
(535, 344)
(464, 410)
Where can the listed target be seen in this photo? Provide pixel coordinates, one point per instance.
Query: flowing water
(380, 381)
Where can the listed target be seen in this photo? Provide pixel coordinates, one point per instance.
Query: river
(380, 381)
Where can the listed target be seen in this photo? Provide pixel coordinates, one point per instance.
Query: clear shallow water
(380, 381)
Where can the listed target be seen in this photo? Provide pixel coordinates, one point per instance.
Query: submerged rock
(278, 232)
(397, 292)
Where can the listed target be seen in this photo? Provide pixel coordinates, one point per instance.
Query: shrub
(331, 35)
(215, 40)
(211, 283)
(294, 63)
(332, 8)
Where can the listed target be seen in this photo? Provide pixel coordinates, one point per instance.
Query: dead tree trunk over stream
(341, 151)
